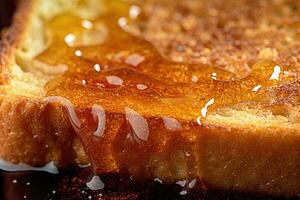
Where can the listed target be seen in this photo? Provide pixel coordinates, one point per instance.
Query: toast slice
(165, 89)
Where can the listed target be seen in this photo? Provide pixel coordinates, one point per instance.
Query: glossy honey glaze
(132, 95)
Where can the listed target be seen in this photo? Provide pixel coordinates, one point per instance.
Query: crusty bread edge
(19, 143)
(12, 38)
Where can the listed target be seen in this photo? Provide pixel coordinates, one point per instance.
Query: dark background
(6, 10)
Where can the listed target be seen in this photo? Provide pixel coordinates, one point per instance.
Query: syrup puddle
(93, 34)
(10, 167)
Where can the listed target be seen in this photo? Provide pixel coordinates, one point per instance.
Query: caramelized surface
(145, 76)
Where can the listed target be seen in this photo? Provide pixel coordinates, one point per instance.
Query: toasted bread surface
(151, 99)
(24, 133)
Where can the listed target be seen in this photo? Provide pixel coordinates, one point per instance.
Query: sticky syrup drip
(136, 104)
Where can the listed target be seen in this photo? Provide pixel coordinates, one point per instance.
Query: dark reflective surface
(72, 185)
(27, 185)
(6, 10)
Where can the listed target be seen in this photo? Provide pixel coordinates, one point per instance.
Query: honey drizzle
(126, 129)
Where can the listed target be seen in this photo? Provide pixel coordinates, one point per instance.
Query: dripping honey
(109, 60)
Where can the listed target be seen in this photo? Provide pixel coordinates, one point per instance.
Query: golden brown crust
(35, 133)
(231, 35)
(26, 122)
(26, 133)
(264, 160)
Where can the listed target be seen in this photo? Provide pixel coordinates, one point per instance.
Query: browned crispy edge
(30, 130)
(13, 37)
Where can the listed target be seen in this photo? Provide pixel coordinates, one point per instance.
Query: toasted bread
(171, 90)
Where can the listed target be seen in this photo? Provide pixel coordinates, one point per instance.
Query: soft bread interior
(29, 77)
(23, 129)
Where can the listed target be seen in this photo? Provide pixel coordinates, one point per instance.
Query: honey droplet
(141, 87)
(172, 124)
(114, 80)
(97, 67)
(276, 73)
(87, 24)
(134, 11)
(134, 60)
(99, 115)
(138, 123)
(95, 183)
(78, 53)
